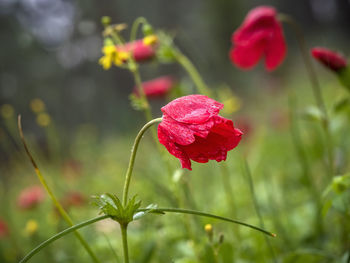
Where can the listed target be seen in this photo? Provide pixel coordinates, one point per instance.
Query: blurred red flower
(158, 87)
(260, 35)
(30, 197)
(192, 130)
(140, 49)
(4, 230)
(329, 58)
(73, 199)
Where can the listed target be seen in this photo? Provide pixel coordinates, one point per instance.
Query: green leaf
(137, 102)
(166, 49)
(149, 209)
(106, 205)
(342, 105)
(312, 113)
(344, 77)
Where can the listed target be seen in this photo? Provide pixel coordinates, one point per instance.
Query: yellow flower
(7, 111)
(150, 40)
(31, 227)
(43, 119)
(121, 57)
(109, 57)
(37, 105)
(208, 228)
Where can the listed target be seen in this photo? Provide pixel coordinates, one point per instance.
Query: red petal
(275, 50)
(166, 139)
(248, 56)
(221, 139)
(329, 58)
(192, 109)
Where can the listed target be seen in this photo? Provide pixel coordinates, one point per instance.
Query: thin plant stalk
(124, 231)
(199, 213)
(192, 72)
(61, 234)
(58, 205)
(256, 205)
(132, 158)
(315, 87)
(135, 26)
(302, 156)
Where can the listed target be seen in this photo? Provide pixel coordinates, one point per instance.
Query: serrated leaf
(106, 205)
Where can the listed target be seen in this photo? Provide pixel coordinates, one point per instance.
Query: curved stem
(314, 84)
(135, 27)
(132, 158)
(61, 234)
(148, 113)
(52, 196)
(125, 242)
(192, 72)
(198, 213)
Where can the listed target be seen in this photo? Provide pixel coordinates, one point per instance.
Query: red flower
(73, 199)
(157, 87)
(259, 35)
(140, 49)
(4, 230)
(192, 130)
(30, 197)
(329, 58)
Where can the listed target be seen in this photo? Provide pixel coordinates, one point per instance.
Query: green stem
(52, 196)
(198, 213)
(148, 112)
(314, 84)
(125, 242)
(132, 158)
(141, 92)
(135, 27)
(298, 144)
(202, 88)
(256, 205)
(61, 234)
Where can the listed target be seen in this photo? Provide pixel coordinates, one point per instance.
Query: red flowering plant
(30, 197)
(260, 35)
(334, 61)
(192, 130)
(158, 87)
(329, 58)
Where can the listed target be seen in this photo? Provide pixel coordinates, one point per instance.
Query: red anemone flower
(140, 50)
(158, 87)
(4, 230)
(30, 197)
(329, 58)
(192, 130)
(260, 35)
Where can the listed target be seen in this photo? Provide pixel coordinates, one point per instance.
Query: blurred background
(50, 48)
(79, 123)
